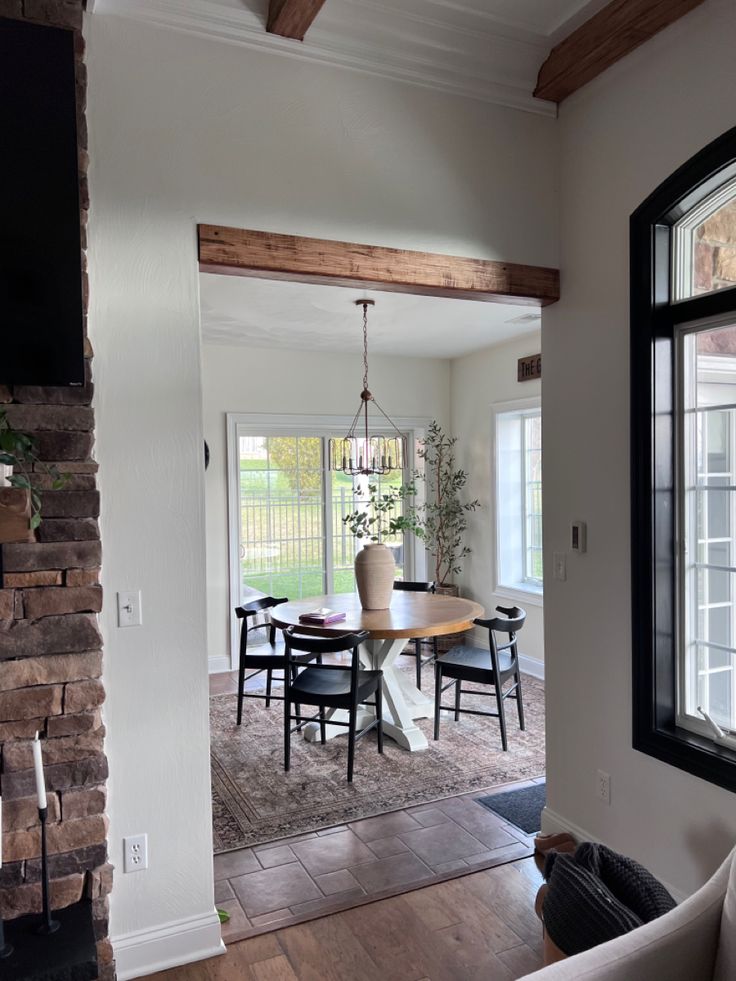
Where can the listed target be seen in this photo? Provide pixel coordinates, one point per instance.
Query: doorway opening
(280, 369)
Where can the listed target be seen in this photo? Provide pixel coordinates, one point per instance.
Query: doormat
(522, 807)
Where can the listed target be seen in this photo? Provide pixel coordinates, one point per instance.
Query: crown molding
(413, 63)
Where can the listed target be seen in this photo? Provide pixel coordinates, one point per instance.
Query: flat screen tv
(41, 313)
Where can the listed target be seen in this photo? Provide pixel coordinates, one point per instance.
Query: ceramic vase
(15, 515)
(375, 571)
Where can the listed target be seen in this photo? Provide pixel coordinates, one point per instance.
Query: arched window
(683, 414)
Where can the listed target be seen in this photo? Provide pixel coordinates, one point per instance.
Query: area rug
(255, 801)
(522, 807)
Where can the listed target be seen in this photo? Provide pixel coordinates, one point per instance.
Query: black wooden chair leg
(502, 716)
(241, 687)
(418, 655)
(269, 679)
(437, 697)
(322, 728)
(379, 718)
(458, 685)
(519, 702)
(351, 743)
(287, 735)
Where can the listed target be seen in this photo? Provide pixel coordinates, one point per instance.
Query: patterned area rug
(255, 801)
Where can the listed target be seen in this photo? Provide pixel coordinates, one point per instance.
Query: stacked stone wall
(50, 642)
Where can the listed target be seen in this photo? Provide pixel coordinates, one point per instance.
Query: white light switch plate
(559, 566)
(129, 609)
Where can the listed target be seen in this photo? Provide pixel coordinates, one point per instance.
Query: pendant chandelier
(360, 451)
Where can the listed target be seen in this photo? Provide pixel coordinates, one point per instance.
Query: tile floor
(481, 927)
(285, 882)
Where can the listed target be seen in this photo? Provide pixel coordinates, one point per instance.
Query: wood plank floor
(481, 926)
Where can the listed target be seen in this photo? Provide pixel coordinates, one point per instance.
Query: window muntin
(518, 467)
(706, 360)
(532, 482)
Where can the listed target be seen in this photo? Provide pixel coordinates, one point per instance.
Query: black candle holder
(46, 924)
(5, 949)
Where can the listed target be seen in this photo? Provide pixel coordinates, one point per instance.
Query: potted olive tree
(442, 520)
(379, 517)
(20, 501)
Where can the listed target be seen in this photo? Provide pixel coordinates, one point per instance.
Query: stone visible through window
(705, 253)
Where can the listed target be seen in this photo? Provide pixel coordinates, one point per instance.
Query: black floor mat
(522, 807)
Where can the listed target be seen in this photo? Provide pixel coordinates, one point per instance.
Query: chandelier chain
(365, 345)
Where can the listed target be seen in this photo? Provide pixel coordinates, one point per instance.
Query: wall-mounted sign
(530, 368)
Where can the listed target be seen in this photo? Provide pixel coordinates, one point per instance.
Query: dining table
(409, 616)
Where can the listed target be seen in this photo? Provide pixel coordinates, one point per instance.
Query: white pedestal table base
(403, 703)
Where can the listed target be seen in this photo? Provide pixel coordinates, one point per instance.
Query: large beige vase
(375, 571)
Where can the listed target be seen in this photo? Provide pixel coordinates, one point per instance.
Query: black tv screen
(41, 313)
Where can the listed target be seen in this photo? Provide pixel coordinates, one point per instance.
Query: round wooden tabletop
(410, 615)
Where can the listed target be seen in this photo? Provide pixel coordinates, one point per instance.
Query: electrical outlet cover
(135, 853)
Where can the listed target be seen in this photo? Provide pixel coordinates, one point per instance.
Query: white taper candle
(38, 767)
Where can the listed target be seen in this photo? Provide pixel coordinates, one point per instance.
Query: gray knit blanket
(596, 895)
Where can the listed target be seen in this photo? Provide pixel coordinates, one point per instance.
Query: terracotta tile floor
(294, 879)
(291, 880)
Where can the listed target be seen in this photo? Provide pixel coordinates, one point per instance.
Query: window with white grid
(518, 467)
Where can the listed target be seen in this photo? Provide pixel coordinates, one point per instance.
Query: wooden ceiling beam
(292, 18)
(269, 255)
(603, 40)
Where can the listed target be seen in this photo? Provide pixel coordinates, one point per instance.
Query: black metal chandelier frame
(361, 452)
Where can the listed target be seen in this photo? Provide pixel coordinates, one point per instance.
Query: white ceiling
(308, 317)
(486, 49)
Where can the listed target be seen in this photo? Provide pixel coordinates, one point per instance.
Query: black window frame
(655, 319)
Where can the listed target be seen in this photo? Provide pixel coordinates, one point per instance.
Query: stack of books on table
(321, 617)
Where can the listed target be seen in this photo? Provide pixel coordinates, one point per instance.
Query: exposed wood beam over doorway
(292, 18)
(269, 255)
(604, 39)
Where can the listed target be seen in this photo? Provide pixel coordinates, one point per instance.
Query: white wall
(185, 130)
(240, 379)
(621, 136)
(478, 381)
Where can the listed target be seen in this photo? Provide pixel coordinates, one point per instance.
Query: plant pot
(15, 515)
(448, 641)
(375, 571)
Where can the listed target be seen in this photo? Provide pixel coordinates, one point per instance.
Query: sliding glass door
(292, 540)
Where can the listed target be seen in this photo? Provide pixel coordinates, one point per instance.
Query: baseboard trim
(554, 823)
(193, 938)
(219, 663)
(532, 666)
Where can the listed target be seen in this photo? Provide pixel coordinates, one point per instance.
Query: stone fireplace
(50, 643)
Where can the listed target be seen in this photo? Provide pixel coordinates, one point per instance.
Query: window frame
(527, 590)
(683, 718)
(657, 317)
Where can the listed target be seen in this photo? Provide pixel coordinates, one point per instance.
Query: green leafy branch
(378, 518)
(20, 451)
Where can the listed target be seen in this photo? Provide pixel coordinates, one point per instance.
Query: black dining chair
(263, 660)
(485, 667)
(329, 686)
(419, 587)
